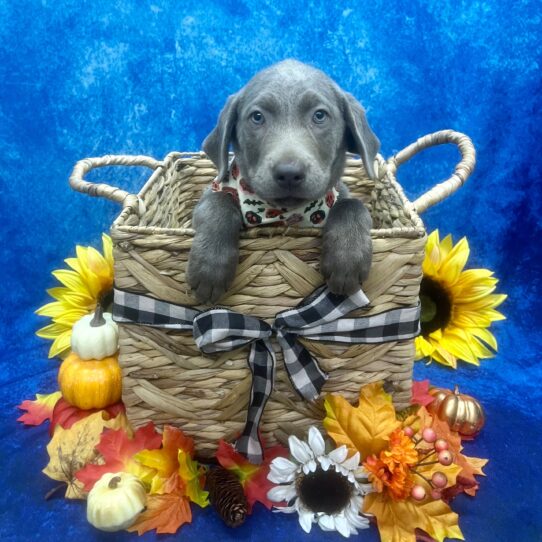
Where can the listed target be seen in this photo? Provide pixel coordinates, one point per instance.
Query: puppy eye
(257, 117)
(319, 116)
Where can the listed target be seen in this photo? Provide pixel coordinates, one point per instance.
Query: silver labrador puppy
(290, 127)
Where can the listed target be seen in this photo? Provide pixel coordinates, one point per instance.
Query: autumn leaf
(39, 410)
(252, 477)
(66, 415)
(462, 485)
(364, 428)
(470, 466)
(193, 477)
(174, 467)
(165, 513)
(117, 452)
(420, 393)
(397, 520)
(71, 449)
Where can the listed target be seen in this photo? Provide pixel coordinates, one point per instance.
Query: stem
(114, 482)
(427, 463)
(429, 453)
(49, 494)
(421, 476)
(98, 319)
(106, 300)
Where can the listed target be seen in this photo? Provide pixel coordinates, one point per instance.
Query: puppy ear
(360, 139)
(216, 144)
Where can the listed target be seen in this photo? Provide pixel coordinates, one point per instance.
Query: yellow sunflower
(457, 306)
(89, 281)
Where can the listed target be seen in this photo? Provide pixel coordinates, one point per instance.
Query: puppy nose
(288, 174)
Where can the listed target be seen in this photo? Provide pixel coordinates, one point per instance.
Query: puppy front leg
(347, 248)
(215, 249)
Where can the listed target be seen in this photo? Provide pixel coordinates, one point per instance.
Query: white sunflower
(322, 488)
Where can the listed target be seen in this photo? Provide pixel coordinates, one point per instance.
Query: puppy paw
(344, 272)
(346, 247)
(211, 270)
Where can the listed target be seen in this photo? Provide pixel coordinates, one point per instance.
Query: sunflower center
(324, 491)
(436, 308)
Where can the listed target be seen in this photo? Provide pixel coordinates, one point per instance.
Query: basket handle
(461, 173)
(103, 190)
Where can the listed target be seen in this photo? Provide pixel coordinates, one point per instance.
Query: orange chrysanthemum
(391, 469)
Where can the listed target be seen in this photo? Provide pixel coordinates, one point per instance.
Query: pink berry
(441, 445)
(408, 431)
(429, 435)
(436, 494)
(439, 480)
(418, 493)
(445, 458)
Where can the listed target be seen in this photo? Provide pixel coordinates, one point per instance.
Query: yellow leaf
(145, 474)
(191, 473)
(364, 428)
(71, 449)
(165, 461)
(397, 520)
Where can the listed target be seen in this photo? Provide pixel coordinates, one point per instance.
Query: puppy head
(290, 127)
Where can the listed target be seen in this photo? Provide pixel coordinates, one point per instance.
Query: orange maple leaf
(174, 467)
(40, 409)
(165, 513)
(165, 460)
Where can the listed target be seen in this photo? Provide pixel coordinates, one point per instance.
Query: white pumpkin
(115, 501)
(95, 336)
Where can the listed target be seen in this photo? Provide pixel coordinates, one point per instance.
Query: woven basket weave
(168, 380)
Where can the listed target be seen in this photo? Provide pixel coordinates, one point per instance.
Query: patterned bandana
(256, 212)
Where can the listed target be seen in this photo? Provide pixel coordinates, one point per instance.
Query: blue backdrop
(82, 79)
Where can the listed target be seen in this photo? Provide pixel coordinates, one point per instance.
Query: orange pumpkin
(91, 383)
(463, 413)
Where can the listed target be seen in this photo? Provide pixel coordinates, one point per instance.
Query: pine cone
(227, 496)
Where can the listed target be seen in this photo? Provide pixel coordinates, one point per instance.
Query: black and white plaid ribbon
(320, 316)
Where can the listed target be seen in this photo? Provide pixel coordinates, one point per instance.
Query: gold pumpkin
(115, 501)
(463, 413)
(88, 384)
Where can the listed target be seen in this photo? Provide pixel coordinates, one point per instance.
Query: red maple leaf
(66, 415)
(39, 410)
(253, 477)
(420, 393)
(463, 484)
(117, 449)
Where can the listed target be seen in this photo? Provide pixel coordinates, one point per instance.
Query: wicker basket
(168, 380)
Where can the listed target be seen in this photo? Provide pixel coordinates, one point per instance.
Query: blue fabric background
(82, 78)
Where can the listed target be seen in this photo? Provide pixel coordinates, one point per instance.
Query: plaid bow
(319, 317)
